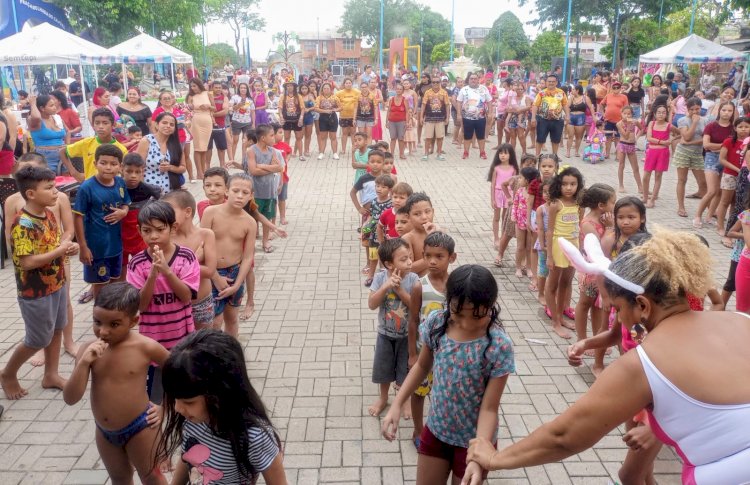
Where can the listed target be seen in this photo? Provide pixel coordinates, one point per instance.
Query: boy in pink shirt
(167, 277)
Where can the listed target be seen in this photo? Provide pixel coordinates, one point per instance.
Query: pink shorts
(657, 160)
(624, 147)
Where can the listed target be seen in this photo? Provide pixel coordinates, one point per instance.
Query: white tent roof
(144, 48)
(692, 49)
(46, 44)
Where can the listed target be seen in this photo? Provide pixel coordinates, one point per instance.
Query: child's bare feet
(406, 410)
(53, 382)
(621, 188)
(377, 407)
(248, 311)
(530, 274)
(284, 222)
(650, 204)
(12, 387)
(37, 360)
(561, 331)
(519, 273)
(71, 348)
(569, 325)
(597, 369)
(541, 299)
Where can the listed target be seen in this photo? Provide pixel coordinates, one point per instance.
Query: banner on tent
(36, 11)
(127, 59)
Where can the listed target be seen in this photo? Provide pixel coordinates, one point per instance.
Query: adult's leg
(468, 134)
(512, 137)
(481, 130)
(322, 142)
(298, 142)
(522, 139)
(700, 179)
(199, 161)
(188, 162)
(308, 139)
(578, 132)
(439, 142)
(334, 142)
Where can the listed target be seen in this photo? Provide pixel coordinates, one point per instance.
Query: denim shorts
(636, 110)
(577, 119)
(711, 162)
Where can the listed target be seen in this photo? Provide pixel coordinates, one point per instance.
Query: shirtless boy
(235, 233)
(421, 213)
(118, 361)
(203, 243)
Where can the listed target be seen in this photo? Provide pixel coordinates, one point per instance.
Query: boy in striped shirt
(168, 277)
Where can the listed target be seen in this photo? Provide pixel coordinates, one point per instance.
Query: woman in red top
(68, 115)
(730, 158)
(397, 114)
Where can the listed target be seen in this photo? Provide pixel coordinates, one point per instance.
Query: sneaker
(320, 157)
(424, 158)
(483, 155)
(441, 157)
(465, 155)
(335, 156)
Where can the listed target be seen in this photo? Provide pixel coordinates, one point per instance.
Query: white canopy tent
(47, 44)
(148, 50)
(693, 49)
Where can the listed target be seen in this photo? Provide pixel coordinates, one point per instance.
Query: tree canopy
(240, 15)
(547, 45)
(217, 54)
(505, 41)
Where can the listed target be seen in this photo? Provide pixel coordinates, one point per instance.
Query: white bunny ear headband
(597, 263)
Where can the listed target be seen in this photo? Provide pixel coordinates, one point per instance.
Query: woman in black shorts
(292, 114)
(327, 105)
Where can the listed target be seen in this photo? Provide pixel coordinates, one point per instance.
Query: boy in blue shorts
(101, 203)
(38, 256)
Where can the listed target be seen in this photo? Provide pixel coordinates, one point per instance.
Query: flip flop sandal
(268, 249)
(548, 312)
(368, 282)
(570, 313)
(86, 297)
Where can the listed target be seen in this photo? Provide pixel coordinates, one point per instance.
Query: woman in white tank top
(690, 373)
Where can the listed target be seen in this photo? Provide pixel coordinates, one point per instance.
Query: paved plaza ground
(310, 344)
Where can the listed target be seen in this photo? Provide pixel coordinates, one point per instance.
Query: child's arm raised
(378, 293)
(379, 232)
(75, 387)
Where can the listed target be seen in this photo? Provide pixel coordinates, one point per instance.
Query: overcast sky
(301, 15)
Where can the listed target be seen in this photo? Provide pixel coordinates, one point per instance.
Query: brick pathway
(309, 346)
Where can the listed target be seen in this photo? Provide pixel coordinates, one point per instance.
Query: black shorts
(329, 123)
(730, 286)
(610, 129)
(346, 122)
(291, 126)
(218, 136)
(474, 127)
(551, 128)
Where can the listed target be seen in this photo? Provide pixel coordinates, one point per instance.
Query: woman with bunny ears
(689, 372)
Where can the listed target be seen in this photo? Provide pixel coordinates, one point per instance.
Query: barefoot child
(64, 215)
(503, 167)
(427, 296)
(101, 204)
(200, 241)
(564, 217)
(657, 152)
(216, 418)
(627, 128)
(390, 293)
(599, 199)
(542, 226)
(118, 362)
(38, 252)
(387, 223)
(466, 397)
(235, 235)
(421, 215)
(167, 277)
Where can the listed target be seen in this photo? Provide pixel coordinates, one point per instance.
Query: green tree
(441, 52)
(509, 37)
(240, 15)
(287, 44)
(217, 55)
(402, 18)
(709, 17)
(637, 36)
(547, 45)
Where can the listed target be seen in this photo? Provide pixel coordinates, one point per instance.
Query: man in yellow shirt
(549, 113)
(434, 116)
(103, 120)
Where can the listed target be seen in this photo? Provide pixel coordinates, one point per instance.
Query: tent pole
(124, 77)
(83, 93)
(174, 84)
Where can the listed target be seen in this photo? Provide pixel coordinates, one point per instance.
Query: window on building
(348, 44)
(310, 45)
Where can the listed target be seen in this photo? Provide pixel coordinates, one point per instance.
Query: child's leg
(721, 211)
(645, 184)
(582, 312)
(250, 301)
(501, 247)
(520, 250)
(636, 170)
(379, 405)
(620, 171)
(231, 325)
(496, 215)
(657, 186)
(141, 450)
(531, 258)
(417, 414)
(9, 375)
(115, 460)
(52, 379)
(553, 293)
(69, 343)
(638, 466)
(432, 470)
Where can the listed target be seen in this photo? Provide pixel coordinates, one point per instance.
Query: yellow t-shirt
(86, 149)
(348, 102)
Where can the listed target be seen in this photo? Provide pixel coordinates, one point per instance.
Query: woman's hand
(481, 451)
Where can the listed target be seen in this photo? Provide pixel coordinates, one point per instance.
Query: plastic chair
(8, 187)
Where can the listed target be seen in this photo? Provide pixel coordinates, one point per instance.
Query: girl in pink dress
(520, 215)
(377, 130)
(503, 167)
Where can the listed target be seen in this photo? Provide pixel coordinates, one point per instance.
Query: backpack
(593, 152)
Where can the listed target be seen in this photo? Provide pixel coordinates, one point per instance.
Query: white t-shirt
(241, 109)
(474, 102)
(229, 70)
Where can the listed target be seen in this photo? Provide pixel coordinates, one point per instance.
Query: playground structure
(398, 56)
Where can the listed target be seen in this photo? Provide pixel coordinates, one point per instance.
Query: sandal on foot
(268, 249)
(682, 213)
(86, 297)
(570, 313)
(547, 312)
(498, 262)
(368, 282)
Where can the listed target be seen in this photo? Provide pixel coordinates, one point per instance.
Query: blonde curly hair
(668, 266)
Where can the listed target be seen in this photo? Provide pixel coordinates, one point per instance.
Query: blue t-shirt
(93, 202)
(461, 371)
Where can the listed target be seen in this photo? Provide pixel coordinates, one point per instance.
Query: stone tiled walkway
(309, 347)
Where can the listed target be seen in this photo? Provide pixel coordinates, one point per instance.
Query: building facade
(331, 48)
